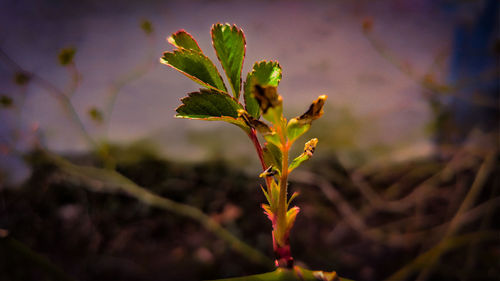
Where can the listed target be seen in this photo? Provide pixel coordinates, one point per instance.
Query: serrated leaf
(229, 44)
(299, 125)
(182, 39)
(264, 73)
(196, 66)
(272, 156)
(211, 105)
(309, 148)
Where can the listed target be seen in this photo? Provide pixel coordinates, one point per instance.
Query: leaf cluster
(214, 102)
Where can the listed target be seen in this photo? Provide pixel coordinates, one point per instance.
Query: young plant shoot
(217, 102)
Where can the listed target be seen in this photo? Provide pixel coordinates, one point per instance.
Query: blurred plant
(102, 179)
(469, 98)
(261, 99)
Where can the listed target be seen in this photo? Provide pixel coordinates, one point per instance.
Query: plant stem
(260, 153)
(281, 241)
(281, 217)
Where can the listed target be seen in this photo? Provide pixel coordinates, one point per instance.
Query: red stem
(260, 153)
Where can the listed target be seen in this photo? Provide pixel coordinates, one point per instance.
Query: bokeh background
(404, 183)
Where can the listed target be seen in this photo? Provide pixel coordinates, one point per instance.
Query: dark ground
(96, 236)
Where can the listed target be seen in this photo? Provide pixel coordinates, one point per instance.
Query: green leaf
(229, 43)
(182, 39)
(264, 73)
(196, 66)
(299, 125)
(295, 274)
(309, 148)
(294, 195)
(296, 129)
(272, 156)
(291, 215)
(211, 105)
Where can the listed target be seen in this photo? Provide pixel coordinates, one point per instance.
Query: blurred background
(403, 185)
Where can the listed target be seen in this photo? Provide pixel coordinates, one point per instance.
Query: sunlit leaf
(291, 215)
(182, 39)
(196, 66)
(264, 73)
(267, 197)
(272, 155)
(229, 44)
(211, 105)
(274, 139)
(299, 125)
(294, 195)
(309, 148)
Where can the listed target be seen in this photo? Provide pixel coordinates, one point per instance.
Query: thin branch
(454, 242)
(481, 177)
(55, 92)
(109, 181)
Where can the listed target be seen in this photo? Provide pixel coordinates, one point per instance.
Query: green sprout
(260, 99)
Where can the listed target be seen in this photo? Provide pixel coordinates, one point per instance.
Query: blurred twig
(109, 181)
(427, 81)
(454, 226)
(444, 246)
(128, 77)
(55, 92)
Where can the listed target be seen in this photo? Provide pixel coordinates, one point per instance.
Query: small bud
(315, 110)
(22, 78)
(66, 56)
(269, 172)
(96, 115)
(6, 101)
(310, 146)
(147, 27)
(367, 25)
